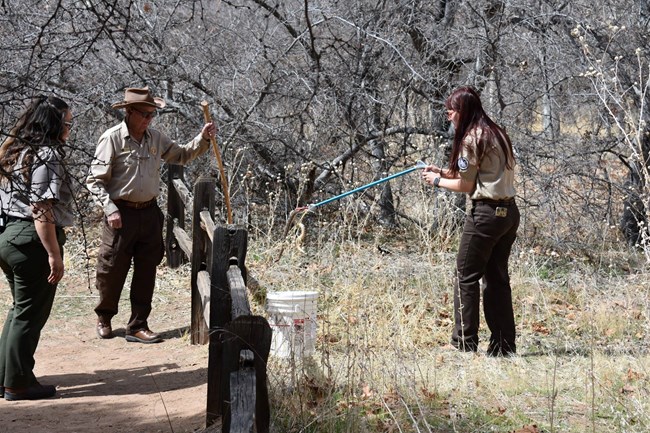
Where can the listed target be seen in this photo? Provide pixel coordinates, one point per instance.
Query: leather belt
(12, 219)
(500, 202)
(135, 204)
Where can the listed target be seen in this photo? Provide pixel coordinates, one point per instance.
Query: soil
(108, 386)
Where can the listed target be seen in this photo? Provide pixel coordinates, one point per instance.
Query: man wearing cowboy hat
(124, 180)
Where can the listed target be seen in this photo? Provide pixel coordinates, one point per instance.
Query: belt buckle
(501, 211)
(141, 204)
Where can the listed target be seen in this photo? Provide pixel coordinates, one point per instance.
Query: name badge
(501, 211)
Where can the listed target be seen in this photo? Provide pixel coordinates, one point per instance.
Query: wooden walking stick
(224, 180)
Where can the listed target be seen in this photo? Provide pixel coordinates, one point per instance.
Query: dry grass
(385, 316)
(385, 319)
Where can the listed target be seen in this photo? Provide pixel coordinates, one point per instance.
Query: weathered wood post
(175, 216)
(246, 343)
(204, 199)
(239, 344)
(227, 242)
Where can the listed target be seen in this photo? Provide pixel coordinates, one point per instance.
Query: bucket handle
(298, 308)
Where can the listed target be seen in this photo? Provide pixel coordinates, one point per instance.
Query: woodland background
(313, 98)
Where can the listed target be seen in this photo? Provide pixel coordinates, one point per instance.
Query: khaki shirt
(49, 181)
(492, 179)
(127, 170)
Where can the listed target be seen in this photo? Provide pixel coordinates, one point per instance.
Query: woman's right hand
(56, 269)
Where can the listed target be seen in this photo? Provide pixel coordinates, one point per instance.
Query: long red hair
(471, 117)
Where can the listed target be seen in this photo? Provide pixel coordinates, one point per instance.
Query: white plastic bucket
(292, 317)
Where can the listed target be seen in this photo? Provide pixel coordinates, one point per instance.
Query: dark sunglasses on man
(145, 114)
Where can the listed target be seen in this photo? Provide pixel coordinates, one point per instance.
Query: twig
(161, 399)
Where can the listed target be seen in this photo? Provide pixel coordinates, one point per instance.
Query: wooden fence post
(175, 212)
(239, 342)
(204, 199)
(245, 334)
(227, 242)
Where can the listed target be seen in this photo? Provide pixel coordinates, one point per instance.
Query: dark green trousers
(25, 264)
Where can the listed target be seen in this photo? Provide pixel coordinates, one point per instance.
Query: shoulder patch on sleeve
(463, 164)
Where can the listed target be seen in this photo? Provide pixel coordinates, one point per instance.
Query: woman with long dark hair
(481, 165)
(36, 199)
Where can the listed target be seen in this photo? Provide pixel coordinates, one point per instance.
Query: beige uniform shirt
(493, 180)
(125, 169)
(49, 181)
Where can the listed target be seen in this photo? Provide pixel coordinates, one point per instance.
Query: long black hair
(42, 123)
(471, 116)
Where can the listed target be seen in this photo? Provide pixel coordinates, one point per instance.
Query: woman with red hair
(482, 166)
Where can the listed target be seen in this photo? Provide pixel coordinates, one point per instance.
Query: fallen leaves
(540, 328)
(527, 429)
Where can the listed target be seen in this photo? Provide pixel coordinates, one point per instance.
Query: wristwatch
(436, 182)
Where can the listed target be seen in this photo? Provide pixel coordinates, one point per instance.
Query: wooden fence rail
(221, 316)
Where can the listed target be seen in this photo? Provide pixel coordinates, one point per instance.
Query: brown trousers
(484, 250)
(139, 241)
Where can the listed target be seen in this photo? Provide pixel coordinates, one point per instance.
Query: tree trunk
(386, 205)
(634, 221)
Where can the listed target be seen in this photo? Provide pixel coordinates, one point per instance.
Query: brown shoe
(34, 392)
(143, 336)
(104, 329)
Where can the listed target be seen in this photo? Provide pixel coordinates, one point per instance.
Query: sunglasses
(145, 114)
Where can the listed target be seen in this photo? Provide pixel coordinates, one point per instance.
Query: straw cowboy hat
(134, 95)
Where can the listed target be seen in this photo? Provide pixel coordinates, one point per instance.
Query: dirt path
(108, 386)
